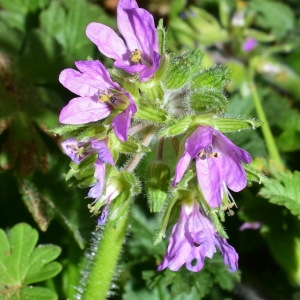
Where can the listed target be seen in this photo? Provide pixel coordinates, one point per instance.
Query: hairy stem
(105, 260)
(268, 137)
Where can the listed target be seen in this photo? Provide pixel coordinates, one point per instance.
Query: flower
(140, 54)
(99, 97)
(249, 44)
(250, 225)
(193, 238)
(218, 164)
(79, 151)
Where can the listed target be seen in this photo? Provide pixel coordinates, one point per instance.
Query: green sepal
(220, 123)
(68, 129)
(152, 92)
(157, 179)
(130, 186)
(95, 130)
(224, 124)
(215, 78)
(150, 113)
(176, 127)
(254, 174)
(81, 131)
(161, 34)
(206, 100)
(181, 69)
(171, 211)
(130, 146)
(164, 220)
(76, 168)
(216, 221)
(183, 184)
(132, 88)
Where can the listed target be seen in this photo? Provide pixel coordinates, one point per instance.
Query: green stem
(269, 139)
(105, 260)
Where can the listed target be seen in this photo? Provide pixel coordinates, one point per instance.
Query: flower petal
(121, 121)
(103, 151)
(77, 83)
(97, 190)
(233, 173)
(97, 73)
(181, 167)
(72, 148)
(83, 110)
(107, 41)
(138, 29)
(229, 254)
(198, 140)
(210, 180)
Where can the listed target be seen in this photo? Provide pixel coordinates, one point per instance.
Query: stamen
(207, 152)
(136, 56)
(196, 244)
(202, 154)
(77, 150)
(107, 96)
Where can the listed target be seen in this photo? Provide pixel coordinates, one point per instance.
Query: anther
(136, 56)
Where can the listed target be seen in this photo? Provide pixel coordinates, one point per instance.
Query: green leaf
(181, 69)
(41, 59)
(16, 13)
(21, 263)
(35, 203)
(35, 293)
(215, 77)
(68, 26)
(208, 100)
(284, 191)
(11, 42)
(273, 15)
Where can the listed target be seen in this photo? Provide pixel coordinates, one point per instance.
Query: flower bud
(158, 176)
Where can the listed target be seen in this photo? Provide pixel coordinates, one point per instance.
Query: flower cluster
(107, 98)
(99, 96)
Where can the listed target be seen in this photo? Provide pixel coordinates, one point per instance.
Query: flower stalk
(105, 260)
(268, 136)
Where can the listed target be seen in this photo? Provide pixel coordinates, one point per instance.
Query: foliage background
(39, 38)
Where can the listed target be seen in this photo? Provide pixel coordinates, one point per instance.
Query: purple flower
(193, 238)
(250, 225)
(99, 96)
(249, 44)
(140, 53)
(78, 151)
(218, 164)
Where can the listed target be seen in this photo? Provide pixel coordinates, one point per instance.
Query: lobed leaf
(21, 263)
(284, 191)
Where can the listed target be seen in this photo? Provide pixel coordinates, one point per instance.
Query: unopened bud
(158, 177)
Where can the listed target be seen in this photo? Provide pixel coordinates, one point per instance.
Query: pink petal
(77, 83)
(107, 41)
(83, 110)
(210, 180)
